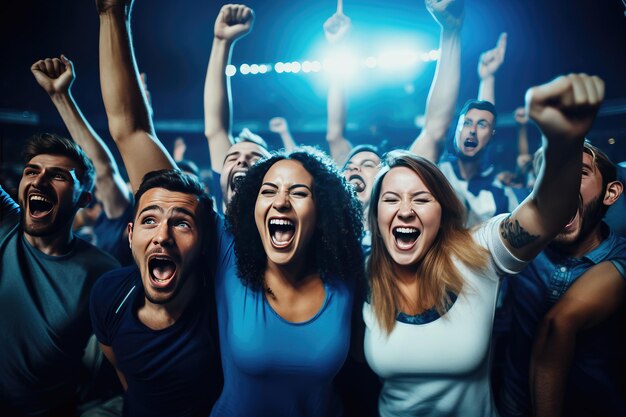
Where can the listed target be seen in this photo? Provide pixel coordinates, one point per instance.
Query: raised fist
(54, 75)
(448, 13)
(336, 27)
(233, 22)
(564, 108)
(278, 125)
(520, 116)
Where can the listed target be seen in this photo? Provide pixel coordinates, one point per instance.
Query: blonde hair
(436, 273)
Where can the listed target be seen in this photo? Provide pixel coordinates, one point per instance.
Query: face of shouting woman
(285, 213)
(409, 216)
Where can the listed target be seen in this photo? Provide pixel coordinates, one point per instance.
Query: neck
(56, 244)
(584, 245)
(161, 316)
(469, 168)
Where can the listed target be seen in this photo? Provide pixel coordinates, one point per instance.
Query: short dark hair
(336, 248)
(177, 181)
(362, 148)
(51, 144)
(189, 167)
(480, 105)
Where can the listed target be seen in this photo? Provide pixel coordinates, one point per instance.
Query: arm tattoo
(515, 233)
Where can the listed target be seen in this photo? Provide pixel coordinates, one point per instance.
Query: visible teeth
(239, 174)
(281, 222)
(406, 230)
(39, 198)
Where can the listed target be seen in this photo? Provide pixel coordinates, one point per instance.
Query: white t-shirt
(441, 368)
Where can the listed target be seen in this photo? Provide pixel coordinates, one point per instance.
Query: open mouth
(282, 232)
(470, 143)
(357, 182)
(405, 237)
(162, 270)
(572, 221)
(237, 179)
(39, 206)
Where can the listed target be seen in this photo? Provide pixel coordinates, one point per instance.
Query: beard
(590, 216)
(61, 220)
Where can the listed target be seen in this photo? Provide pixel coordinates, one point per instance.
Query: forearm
(127, 111)
(288, 143)
(125, 104)
(487, 89)
(550, 362)
(336, 120)
(442, 97)
(113, 190)
(522, 140)
(217, 104)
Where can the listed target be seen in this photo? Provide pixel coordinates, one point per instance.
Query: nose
(281, 202)
(162, 235)
(406, 212)
(39, 180)
(243, 161)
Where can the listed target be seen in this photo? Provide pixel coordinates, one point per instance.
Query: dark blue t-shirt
(111, 236)
(170, 372)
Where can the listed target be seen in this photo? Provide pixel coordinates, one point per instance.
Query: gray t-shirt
(44, 317)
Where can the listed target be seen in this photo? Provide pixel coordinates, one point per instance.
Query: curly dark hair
(336, 244)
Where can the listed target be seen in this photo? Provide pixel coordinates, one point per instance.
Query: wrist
(60, 97)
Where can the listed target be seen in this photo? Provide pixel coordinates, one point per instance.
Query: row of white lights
(387, 60)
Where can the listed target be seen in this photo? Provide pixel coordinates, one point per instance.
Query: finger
(578, 89)
(590, 90)
(599, 87)
(248, 15)
(69, 65)
(49, 66)
(501, 45)
(59, 68)
(37, 66)
(227, 14)
(547, 91)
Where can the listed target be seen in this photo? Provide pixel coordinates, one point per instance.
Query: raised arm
(594, 297)
(488, 64)
(279, 125)
(233, 22)
(444, 89)
(564, 110)
(128, 113)
(56, 76)
(336, 28)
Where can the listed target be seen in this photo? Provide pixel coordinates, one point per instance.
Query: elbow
(123, 128)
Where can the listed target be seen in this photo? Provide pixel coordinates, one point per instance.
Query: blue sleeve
(8, 207)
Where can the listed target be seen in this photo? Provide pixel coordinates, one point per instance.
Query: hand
(105, 5)
(564, 108)
(233, 22)
(54, 75)
(520, 116)
(490, 61)
(336, 27)
(179, 149)
(278, 125)
(448, 13)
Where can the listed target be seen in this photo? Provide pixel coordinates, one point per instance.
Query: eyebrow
(177, 210)
(270, 184)
(412, 195)
(589, 167)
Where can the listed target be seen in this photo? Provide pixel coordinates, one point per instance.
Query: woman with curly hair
(285, 287)
(434, 283)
